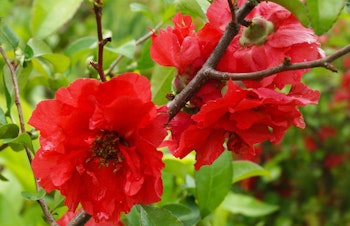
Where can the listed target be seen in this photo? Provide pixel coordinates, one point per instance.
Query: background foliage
(303, 180)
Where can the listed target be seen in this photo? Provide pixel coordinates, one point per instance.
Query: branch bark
(324, 62)
(101, 41)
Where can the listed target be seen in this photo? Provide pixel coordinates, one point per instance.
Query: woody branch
(208, 70)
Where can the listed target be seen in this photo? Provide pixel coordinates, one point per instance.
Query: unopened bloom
(98, 145)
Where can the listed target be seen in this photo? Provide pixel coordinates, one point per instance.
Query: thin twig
(50, 219)
(324, 62)
(138, 42)
(98, 4)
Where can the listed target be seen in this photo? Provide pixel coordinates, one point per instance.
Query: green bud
(257, 33)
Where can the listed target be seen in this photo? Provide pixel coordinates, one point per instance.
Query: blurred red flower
(244, 118)
(342, 94)
(98, 145)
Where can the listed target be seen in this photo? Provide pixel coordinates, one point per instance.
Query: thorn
(287, 61)
(330, 67)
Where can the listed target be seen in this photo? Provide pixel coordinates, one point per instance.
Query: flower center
(257, 33)
(107, 147)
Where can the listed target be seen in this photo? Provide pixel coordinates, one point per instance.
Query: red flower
(178, 47)
(98, 145)
(334, 160)
(288, 38)
(244, 118)
(343, 93)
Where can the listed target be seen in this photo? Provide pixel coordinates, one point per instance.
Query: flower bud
(257, 33)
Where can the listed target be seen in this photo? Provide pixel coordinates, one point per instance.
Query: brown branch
(80, 219)
(324, 62)
(138, 42)
(98, 5)
(50, 219)
(201, 78)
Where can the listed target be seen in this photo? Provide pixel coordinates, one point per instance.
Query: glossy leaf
(59, 62)
(36, 47)
(297, 8)
(81, 44)
(156, 216)
(213, 182)
(9, 131)
(127, 49)
(2, 117)
(8, 36)
(323, 14)
(246, 169)
(190, 7)
(185, 214)
(161, 83)
(142, 8)
(145, 61)
(18, 143)
(49, 15)
(247, 206)
(33, 196)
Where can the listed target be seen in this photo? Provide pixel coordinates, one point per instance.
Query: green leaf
(175, 166)
(127, 49)
(59, 62)
(2, 117)
(245, 169)
(213, 182)
(145, 61)
(81, 44)
(8, 88)
(161, 83)
(7, 36)
(347, 5)
(246, 205)
(323, 14)
(18, 143)
(297, 8)
(9, 131)
(36, 47)
(156, 216)
(33, 196)
(49, 15)
(190, 7)
(185, 214)
(138, 7)
(3, 178)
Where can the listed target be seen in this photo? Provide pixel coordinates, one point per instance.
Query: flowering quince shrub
(160, 133)
(244, 117)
